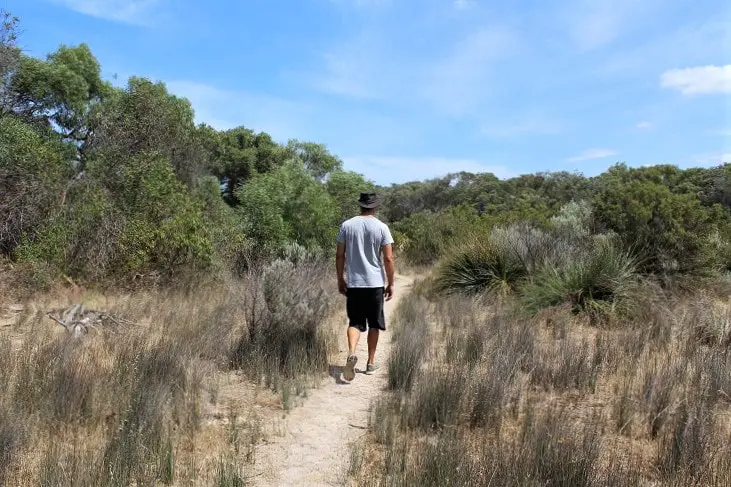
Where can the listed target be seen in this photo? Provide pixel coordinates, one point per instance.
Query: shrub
(435, 401)
(143, 221)
(498, 262)
(425, 237)
(480, 265)
(12, 438)
(286, 339)
(33, 171)
(668, 229)
(600, 281)
(410, 340)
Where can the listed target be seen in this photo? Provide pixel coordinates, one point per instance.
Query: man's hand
(388, 295)
(342, 287)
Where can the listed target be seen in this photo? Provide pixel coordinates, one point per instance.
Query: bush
(32, 175)
(141, 222)
(599, 281)
(669, 230)
(496, 263)
(286, 339)
(425, 237)
(410, 340)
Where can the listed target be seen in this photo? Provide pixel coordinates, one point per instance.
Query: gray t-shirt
(364, 238)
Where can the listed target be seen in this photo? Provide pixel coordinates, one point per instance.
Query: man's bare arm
(340, 267)
(388, 261)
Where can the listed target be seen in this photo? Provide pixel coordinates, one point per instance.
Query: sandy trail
(314, 447)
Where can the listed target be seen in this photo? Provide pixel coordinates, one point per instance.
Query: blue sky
(405, 89)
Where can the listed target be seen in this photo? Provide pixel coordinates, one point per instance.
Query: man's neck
(367, 213)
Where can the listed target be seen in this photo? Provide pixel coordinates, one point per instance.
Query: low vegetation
(170, 399)
(498, 400)
(571, 331)
(557, 354)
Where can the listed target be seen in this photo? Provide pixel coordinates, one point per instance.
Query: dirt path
(314, 448)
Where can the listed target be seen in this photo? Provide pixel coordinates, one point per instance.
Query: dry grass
(556, 400)
(174, 399)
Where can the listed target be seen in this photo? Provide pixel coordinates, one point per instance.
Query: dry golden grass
(558, 399)
(182, 397)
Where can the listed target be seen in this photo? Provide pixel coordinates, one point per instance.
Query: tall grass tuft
(498, 262)
(600, 281)
(505, 400)
(411, 340)
(126, 405)
(285, 339)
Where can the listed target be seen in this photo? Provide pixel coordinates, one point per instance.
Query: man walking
(360, 244)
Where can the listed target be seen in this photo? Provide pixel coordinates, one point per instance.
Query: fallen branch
(78, 319)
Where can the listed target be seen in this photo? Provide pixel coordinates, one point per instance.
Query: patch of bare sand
(314, 445)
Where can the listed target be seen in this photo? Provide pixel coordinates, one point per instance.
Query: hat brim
(368, 206)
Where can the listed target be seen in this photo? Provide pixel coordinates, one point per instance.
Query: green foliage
(425, 237)
(575, 219)
(143, 118)
(480, 265)
(230, 243)
(496, 262)
(33, 170)
(103, 182)
(148, 223)
(600, 280)
(316, 158)
(241, 154)
(345, 187)
(668, 230)
(60, 90)
(9, 56)
(81, 239)
(287, 205)
(165, 225)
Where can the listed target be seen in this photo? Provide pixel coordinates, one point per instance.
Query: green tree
(143, 118)
(33, 173)
(345, 187)
(668, 230)
(241, 154)
(59, 93)
(9, 57)
(316, 158)
(288, 205)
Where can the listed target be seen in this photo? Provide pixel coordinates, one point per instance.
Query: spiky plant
(598, 281)
(481, 265)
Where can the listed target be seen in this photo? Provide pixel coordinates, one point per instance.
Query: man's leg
(373, 334)
(353, 337)
(356, 325)
(376, 324)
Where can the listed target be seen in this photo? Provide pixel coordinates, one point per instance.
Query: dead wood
(78, 319)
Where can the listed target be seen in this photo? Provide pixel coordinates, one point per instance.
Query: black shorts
(365, 305)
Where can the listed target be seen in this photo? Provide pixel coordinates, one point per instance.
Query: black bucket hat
(368, 200)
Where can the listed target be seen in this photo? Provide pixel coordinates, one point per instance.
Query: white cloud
(700, 80)
(373, 66)
(357, 68)
(383, 169)
(225, 109)
(464, 4)
(644, 125)
(592, 154)
(695, 44)
(595, 23)
(129, 11)
(529, 125)
(461, 80)
(712, 158)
